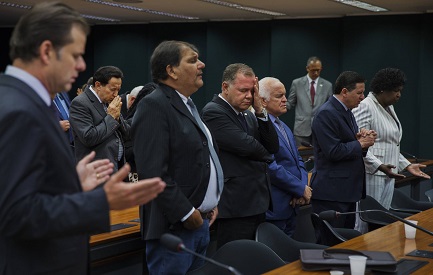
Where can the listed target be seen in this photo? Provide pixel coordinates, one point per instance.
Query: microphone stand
(392, 216)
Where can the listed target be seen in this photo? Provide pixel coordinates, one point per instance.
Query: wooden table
(109, 247)
(388, 238)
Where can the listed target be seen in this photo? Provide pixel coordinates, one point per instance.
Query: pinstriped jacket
(386, 149)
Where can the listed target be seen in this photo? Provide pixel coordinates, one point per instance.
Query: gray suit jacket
(94, 129)
(300, 99)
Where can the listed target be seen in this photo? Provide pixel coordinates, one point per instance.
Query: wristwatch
(262, 114)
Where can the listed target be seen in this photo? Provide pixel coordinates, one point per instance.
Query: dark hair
(232, 70)
(387, 79)
(147, 89)
(51, 21)
(348, 80)
(104, 74)
(167, 53)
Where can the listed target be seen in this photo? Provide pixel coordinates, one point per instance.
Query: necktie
(353, 121)
(61, 107)
(241, 118)
(283, 132)
(312, 92)
(213, 154)
(120, 152)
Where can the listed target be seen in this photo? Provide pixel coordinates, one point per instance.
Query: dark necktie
(213, 154)
(243, 121)
(353, 121)
(283, 132)
(312, 92)
(120, 152)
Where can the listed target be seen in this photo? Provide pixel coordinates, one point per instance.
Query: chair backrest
(404, 203)
(285, 247)
(246, 256)
(429, 194)
(304, 231)
(327, 234)
(374, 219)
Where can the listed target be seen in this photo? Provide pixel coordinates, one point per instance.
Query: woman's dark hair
(388, 79)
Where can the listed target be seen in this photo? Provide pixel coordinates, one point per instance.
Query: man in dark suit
(306, 95)
(47, 209)
(246, 142)
(338, 178)
(96, 120)
(289, 178)
(172, 142)
(63, 103)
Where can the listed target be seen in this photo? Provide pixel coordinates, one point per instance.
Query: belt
(206, 215)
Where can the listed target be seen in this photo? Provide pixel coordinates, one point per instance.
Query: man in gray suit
(96, 120)
(307, 94)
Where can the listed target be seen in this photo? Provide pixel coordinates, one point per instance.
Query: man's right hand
(194, 221)
(122, 195)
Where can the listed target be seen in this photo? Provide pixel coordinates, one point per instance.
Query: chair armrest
(404, 210)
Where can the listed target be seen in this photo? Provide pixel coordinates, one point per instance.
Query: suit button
(204, 143)
(207, 165)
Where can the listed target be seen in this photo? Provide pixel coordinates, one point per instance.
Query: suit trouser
(161, 260)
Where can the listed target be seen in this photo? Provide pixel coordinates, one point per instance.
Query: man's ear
(264, 102)
(171, 72)
(224, 87)
(46, 51)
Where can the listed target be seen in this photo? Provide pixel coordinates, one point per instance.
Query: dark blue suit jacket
(58, 103)
(45, 218)
(288, 176)
(339, 172)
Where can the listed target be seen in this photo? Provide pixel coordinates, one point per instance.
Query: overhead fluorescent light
(121, 6)
(246, 8)
(98, 18)
(14, 5)
(361, 5)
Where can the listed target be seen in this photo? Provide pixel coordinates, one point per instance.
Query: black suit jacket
(244, 158)
(169, 144)
(45, 218)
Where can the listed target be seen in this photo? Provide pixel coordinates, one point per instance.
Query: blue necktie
(213, 154)
(283, 132)
(61, 108)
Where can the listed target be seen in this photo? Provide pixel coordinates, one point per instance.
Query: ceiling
(204, 11)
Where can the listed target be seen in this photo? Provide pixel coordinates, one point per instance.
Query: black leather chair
(246, 256)
(376, 220)
(429, 195)
(403, 203)
(330, 236)
(285, 247)
(304, 231)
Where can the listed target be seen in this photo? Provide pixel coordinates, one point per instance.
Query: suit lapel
(232, 113)
(337, 105)
(96, 104)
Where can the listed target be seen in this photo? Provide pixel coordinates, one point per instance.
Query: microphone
(406, 154)
(175, 244)
(310, 159)
(306, 144)
(330, 215)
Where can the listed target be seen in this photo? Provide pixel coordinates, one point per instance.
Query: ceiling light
(246, 8)
(13, 5)
(106, 19)
(121, 6)
(361, 5)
